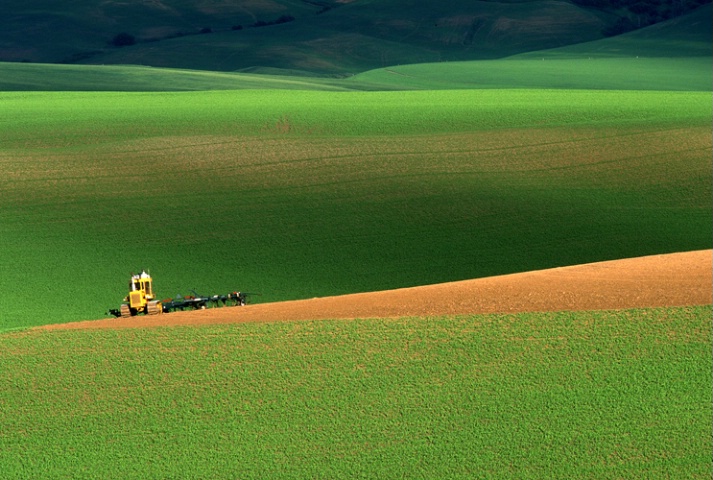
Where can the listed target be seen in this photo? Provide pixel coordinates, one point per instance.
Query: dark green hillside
(689, 35)
(55, 31)
(672, 55)
(334, 36)
(365, 35)
(327, 36)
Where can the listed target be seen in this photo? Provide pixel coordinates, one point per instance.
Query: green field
(559, 395)
(552, 72)
(547, 72)
(304, 194)
(295, 185)
(25, 77)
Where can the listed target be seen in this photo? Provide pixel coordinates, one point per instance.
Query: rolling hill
(335, 37)
(451, 182)
(442, 191)
(672, 55)
(296, 194)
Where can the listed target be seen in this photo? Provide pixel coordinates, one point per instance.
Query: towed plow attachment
(141, 300)
(196, 302)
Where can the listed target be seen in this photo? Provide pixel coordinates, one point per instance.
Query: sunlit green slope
(586, 395)
(683, 74)
(297, 194)
(50, 77)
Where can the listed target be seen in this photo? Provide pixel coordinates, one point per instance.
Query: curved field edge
(677, 279)
(547, 72)
(600, 394)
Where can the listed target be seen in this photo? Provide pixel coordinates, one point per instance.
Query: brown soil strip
(654, 281)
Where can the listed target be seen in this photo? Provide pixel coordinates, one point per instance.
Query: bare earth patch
(676, 279)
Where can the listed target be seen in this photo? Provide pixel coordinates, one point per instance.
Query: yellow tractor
(141, 298)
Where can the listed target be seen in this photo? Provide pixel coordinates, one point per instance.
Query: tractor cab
(140, 290)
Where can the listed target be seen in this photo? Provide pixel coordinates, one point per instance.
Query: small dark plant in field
(284, 19)
(123, 40)
(79, 56)
(279, 20)
(206, 30)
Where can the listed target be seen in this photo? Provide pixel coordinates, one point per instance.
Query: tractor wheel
(154, 308)
(125, 311)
